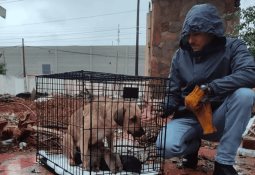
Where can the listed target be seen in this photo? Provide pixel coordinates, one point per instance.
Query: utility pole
(118, 41)
(23, 58)
(137, 38)
(3, 58)
(2, 12)
(24, 65)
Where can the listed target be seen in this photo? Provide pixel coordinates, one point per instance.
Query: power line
(71, 36)
(81, 53)
(67, 37)
(70, 19)
(8, 47)
(69, 42)
(71, 33)
(7, 2)
(79, 38)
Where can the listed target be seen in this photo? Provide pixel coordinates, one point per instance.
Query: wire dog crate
(90, 123)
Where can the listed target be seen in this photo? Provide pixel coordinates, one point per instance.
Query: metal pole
(24, 65)
(137, 38)
(2, 12)
(117, 49)
(23, 58)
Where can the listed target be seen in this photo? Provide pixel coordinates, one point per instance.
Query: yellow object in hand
(202, 110)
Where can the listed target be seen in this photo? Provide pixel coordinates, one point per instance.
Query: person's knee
(244, 96)
(171, 150)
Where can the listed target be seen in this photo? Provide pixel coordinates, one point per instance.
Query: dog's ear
(119, 116)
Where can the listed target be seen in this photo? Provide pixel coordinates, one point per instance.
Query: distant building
(57, 59)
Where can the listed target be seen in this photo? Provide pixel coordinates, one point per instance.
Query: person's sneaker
(191, 160)
(221, 169)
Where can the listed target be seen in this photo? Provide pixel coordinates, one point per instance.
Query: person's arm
(243, 71)
(173, 90)
(172, 97)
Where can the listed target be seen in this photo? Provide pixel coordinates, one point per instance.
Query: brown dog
(97, 121)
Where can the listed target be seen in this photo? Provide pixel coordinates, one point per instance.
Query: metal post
(2, 12)
(137, 38)
(24, 65)
(23, 58)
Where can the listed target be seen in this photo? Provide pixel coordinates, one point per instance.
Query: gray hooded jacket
(225, 63)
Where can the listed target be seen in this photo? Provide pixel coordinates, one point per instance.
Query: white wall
(14, 85)
(109, 59)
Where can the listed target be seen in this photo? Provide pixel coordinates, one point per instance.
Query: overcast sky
(74, 22)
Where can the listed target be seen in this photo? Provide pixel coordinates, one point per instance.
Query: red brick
(249, 143)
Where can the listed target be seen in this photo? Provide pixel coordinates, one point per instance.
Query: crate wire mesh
(84, 103)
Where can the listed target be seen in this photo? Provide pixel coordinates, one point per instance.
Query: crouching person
(209, 92)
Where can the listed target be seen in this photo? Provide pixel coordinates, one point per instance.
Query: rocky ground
(18, 131)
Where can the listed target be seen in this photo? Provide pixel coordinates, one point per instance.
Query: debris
(246, 152)
(250, 129)
(25, 95)
(11, 131)
(18, 129)
(17, 117)
(6, 142)
(22, 145)
(6, 98)
(35, 171)
(3, 123)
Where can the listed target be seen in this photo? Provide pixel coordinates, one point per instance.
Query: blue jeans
(231, 118)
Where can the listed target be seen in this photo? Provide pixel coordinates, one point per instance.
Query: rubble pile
(17, 121)
(20, 117)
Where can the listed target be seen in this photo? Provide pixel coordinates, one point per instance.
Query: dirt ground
(18, 123)
(244, 165)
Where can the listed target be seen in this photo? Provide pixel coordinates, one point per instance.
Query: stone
(169, 36)
(249, 143)
(175, 26)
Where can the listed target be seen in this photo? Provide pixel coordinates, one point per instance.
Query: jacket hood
(202, 18)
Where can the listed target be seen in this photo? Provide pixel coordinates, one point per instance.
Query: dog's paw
(115, 168)
(93, 168)
(85, 166)
(96, 169)
(72, 162)
(119, 167)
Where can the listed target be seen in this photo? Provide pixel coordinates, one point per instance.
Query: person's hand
(148, 114)
(207, 89)
(202, 110)
(192, 100)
